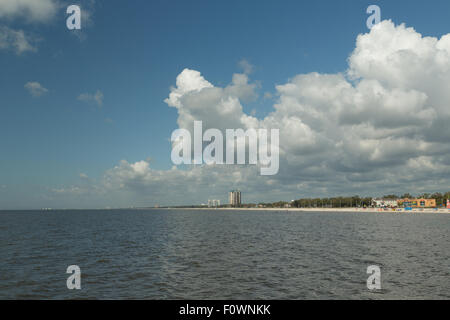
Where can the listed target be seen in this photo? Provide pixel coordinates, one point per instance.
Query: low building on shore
(385, 203)
(417, 203)
(213, 203)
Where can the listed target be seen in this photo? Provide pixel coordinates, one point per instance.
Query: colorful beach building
(417, 203)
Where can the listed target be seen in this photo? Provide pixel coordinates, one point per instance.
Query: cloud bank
(381, 126)
(30, 10)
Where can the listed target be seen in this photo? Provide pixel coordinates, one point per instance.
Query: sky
(87, 115)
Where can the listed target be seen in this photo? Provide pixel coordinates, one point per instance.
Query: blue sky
(132, 53)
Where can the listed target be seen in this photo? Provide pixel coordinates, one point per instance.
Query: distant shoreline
(373, 210)
(347, 210)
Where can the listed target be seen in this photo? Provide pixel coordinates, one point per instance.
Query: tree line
(335, 202)
(353, 201)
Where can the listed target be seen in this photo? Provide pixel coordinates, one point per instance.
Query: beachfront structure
(235, 198)
(213, 203)
(385, 203)
(417, 203)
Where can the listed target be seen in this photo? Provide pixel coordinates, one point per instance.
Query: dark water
(186, 254)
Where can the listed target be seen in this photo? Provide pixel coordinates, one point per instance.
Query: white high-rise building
(235, 198)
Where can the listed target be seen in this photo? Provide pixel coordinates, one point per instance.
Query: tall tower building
(235, 198)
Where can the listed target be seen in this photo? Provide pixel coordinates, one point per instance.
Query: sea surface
(215, 254)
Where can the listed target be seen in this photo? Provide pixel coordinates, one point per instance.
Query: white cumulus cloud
(96, 98)
(381, 126)
(16, 40)
(35, 89)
